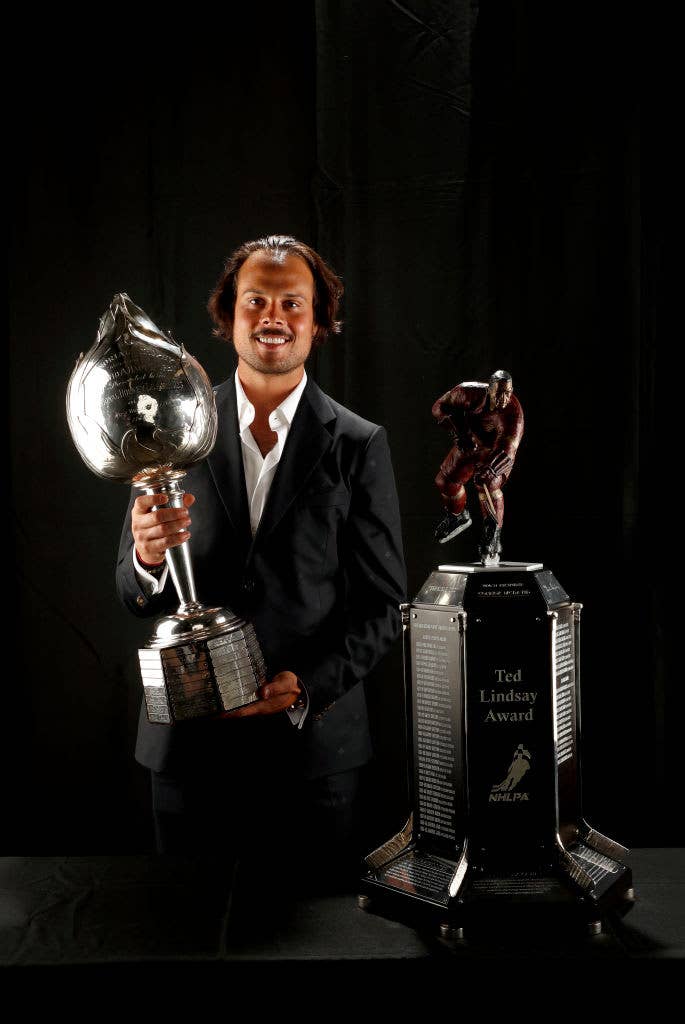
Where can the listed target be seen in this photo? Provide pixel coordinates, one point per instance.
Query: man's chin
(279, 370)
(272, 368)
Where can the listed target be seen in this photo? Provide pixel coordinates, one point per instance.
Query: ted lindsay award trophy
(491, 654)
(141, 410)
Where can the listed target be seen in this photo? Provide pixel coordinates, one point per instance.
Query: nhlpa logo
(517, 769)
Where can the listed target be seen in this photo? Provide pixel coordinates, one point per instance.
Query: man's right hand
(156, 531)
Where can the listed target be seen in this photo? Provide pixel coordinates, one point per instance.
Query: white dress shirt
(259, 474)
(260, 470)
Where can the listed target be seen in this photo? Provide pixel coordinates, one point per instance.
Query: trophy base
(200, 662)
(417, 884)
(491, 659)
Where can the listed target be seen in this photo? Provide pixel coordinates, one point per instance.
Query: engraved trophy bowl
(141, 410)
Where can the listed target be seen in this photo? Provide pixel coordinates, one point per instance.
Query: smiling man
(296, 527)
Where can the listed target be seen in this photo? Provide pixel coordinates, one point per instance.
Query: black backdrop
(487, 183)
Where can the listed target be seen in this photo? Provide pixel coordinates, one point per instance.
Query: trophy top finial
(485, 423)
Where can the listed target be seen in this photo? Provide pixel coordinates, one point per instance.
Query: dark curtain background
(488, 184)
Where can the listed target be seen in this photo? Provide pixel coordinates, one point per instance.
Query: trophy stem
(178, 558)
(181, 569)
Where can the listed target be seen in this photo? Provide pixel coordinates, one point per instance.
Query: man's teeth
(266, 339)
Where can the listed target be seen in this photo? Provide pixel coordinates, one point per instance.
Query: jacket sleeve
(375, 580)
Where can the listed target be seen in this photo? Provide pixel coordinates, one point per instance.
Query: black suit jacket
(321, 580)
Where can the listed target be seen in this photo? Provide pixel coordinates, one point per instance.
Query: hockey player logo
(517, 769)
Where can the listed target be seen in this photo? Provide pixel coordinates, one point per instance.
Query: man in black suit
(296, 527)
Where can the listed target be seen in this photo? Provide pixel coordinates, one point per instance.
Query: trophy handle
(178, 558)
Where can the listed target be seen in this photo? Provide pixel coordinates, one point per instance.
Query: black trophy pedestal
(492, 672)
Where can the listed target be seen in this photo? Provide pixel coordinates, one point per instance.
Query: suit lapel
(309, 437)
(226, 463)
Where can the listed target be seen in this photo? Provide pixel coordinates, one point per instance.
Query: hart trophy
(492, 673)
(141, 410)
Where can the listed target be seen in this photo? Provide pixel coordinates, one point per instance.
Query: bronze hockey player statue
(486, 424)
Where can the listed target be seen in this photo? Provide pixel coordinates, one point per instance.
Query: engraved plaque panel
(439, 770)
(236, 664)
(489, 591)
(444, 589)
(152, 675)
(510, 730)
(551, 589)
(602, 870)
(518, 884)
(420, 874)
(565, 723)
(189, 681)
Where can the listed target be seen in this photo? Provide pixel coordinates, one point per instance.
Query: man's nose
(271, 314)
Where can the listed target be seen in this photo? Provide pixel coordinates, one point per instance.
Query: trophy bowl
(141, 411)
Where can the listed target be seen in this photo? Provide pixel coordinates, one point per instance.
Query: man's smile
(272, 340)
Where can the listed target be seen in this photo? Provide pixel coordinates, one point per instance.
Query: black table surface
(75, 910)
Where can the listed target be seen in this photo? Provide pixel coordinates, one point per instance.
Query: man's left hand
(276, 695)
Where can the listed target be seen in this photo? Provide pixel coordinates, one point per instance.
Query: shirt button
(140, 601)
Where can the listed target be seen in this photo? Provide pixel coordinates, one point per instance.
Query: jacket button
(248, 585)
(140, 601)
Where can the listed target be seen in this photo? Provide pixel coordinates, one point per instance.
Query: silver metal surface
(193, 622)
(141, 410)
(460, 873)
(178, 558)
(598, 842)
(393, 847)
(138, 405)
(502, 567)
(553, 619)
(571, 869)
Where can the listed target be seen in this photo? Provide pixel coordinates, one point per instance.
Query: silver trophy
(141, 410)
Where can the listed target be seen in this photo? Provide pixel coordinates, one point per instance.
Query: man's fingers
(155, 532)
(170, 519)
(263, 707)
(144, 502)
(251, 709)
(167, 528)
(156, 527)
(276, 695)
(279, 686)
(154, 550)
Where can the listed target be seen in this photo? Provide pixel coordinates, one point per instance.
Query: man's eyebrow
(287, 295)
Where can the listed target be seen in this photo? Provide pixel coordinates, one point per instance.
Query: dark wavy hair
(328, 287)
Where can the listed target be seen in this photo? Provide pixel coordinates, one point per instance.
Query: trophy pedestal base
(491, 656)
(196, 677)
(419, 886)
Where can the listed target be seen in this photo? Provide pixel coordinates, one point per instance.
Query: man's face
(273, 323)
(500, 393)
